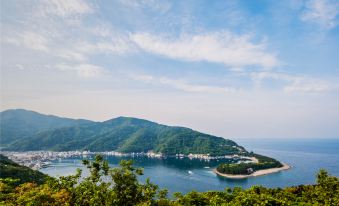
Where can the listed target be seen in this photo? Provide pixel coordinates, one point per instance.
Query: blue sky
(236, 69)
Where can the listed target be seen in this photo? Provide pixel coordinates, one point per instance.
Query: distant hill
(16, 124)
(124, 134)
(10, 169)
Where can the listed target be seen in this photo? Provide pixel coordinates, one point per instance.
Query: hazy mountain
(16, 124)
(126, 134)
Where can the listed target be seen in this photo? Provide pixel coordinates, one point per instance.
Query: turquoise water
(305, 156)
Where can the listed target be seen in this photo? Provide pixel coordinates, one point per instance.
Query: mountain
(17, 124)
(10, 169)
(126, 134)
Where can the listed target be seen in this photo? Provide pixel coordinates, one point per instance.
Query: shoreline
(40, 158)
(254, 174)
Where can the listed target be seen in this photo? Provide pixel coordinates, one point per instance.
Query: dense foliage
(16, 124)
(125, 135)
(123, 188)
(248, 168)
(10, 169)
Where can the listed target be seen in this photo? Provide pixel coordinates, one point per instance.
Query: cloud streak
(183, 85)
(28, 39)
(64, 9)
(156, 5)
(219, 47)
(82, 70)
(294, 83)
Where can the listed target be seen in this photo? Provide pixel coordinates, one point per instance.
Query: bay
(306, 156)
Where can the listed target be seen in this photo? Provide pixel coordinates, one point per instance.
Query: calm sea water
(305, 156)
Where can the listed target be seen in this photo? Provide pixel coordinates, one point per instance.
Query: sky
(236, 69)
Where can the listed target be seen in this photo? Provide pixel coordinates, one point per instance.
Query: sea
(305, 156)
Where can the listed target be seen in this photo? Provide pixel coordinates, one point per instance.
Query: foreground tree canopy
(120, 186)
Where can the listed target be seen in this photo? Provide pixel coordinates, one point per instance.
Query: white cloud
(101, 30)
(70, 54)
(294, 83)
(79, 51)
(19, 66)
(64, 9)
(307, 86)
(83, 70)
(117, 45)
(259, 76)
(218, 47)
(161, 6)
(322, 12)
(28, 39)
(74, 50)
(183, 85)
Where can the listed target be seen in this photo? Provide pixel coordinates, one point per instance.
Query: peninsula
(260, 165)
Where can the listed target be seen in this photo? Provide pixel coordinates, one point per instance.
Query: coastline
(254, 174)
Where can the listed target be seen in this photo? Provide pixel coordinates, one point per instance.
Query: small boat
(206, 167)
(190, 172)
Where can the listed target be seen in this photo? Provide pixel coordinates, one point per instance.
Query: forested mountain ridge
(16, 124)
(124, 134)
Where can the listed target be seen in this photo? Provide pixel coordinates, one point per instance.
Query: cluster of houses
(40, 159)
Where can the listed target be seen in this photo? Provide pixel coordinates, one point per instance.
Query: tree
(120, 186)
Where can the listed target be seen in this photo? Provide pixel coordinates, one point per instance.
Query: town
(41, 159)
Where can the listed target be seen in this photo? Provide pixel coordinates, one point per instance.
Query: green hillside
(10, 169)
(17, 124)
(127, 134)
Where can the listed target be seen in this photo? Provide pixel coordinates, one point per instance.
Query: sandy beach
(254, 174)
